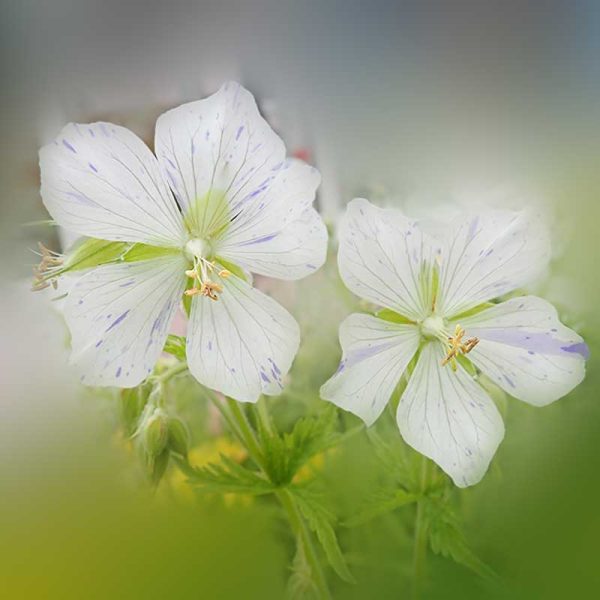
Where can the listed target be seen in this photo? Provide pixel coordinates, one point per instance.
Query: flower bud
(178, 437)
(156, 433)
(157, 465)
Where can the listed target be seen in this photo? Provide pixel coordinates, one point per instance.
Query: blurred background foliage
(412, 104)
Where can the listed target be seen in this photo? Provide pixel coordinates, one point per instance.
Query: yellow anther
(456, 346)
(210, 289)
(46, 272)
(202, 284)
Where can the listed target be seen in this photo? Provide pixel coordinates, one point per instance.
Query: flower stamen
(203, 285)
(45, 274)
(456, 346)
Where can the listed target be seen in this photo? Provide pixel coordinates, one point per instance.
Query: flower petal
(385, 258)
(291, 252)
(488, 255)
(102, 181)
(225, 163)
(243, 344)
(376, 353)
(119, 316)
(526, 350)
(448, 417)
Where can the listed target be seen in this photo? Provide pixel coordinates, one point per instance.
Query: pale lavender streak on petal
(81, 198)
(260, 240)
(542, 343)
(580, 348)
(118, 320)
(356, 356)
(67, 145)
(472, 229)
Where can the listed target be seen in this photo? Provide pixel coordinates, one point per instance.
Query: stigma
(456, 346)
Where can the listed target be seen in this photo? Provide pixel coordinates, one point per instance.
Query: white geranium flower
(219, 198)
(438, 287)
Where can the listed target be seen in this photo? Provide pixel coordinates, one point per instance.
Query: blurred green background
(414, 104)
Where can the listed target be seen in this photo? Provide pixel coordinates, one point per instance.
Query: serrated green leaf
(381, 503)
(227, 477)
(286, 453)
(321, 522)
(447, 539)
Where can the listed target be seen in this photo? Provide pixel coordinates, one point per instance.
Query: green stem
(169, 373)
(420, 549)
(303, 536)
(286, 499)
(248, 436)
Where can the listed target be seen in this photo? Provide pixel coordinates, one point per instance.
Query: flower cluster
(219, 201)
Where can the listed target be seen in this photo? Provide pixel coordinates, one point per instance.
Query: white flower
(219, 194)
(439, 287)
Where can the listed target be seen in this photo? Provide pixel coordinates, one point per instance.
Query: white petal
(225, 164)
(376, 352)
(489, 255)
(243, 344)
(448, 417)
(526, 350)
(291, 252)
(385, 258)
(102, 181)
(119, 316)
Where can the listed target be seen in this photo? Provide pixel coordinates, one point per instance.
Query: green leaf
(447, 539)
(286, 453)
(175, 345)
(321, 522)
(381, 502)
(227, 477)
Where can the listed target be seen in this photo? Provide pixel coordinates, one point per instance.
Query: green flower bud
(132, 403)
(157, 465)
(178, 437)
(156, 433)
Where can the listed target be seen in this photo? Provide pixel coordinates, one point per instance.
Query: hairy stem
(242, 429)
(304, 538)
(420, 548)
